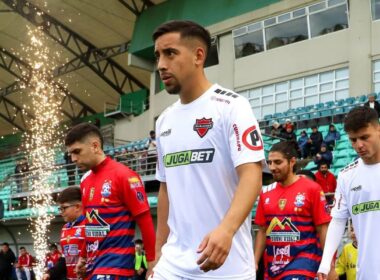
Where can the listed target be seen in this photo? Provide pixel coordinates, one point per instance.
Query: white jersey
(199, 145)
(358, 196)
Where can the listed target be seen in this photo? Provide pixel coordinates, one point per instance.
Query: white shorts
(165, 275)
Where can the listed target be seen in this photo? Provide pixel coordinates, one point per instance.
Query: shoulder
(308, 184)
(88, 173)
(268, 188)
(166, 112)
(349, 169)
(226, 97)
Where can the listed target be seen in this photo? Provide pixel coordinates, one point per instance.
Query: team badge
(140, 196)
(281, 204)
(300, 200)
(92, 192)
(77, 232)
(68, 238)
(106, 189)
(202, 126)
(252, 139)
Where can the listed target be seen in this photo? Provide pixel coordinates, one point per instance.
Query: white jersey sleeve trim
(333, 238)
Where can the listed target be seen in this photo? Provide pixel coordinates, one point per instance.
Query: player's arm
(259, 244)
(334, 235)
(216, 245)
(162, 219)
(322, 231)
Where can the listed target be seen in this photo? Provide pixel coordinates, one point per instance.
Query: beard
(174, 89)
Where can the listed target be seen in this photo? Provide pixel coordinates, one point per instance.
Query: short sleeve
(340, 209)
(246, 144)
(134, 194)
(260, 217)
(320, 208)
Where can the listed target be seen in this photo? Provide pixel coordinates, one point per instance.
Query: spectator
(324, 155)
(7, 260)
(70, 169)
(327, 181)
(373, 104)
(141, 264)
(289, 134)
(303, 144)
(152, 153)
(21, 170)
(288, 123)
(332, 136)
(276, 130)
(24, 265)
(315, 140)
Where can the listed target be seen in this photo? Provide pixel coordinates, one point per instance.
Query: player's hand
(150, 267)
(321, 276)
(214, 248)
(80, 268)
(45, 276)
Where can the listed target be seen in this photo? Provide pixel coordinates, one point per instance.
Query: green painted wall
(205, 12)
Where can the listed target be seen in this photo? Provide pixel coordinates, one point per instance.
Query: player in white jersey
(358, 196)
(209, 165)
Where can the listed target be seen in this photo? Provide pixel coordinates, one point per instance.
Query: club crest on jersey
(106, 188)
(300, 200)
(202, 126)
(282, 204)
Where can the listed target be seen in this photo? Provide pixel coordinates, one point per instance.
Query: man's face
(83, 154)
(279, 166)
(4, 248)
(366, 142)
(323, 149)
(371, 98)
(323, 168)
(22, 252)
(175, 61)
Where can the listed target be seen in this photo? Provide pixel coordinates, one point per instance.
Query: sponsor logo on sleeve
(134, 182)
(189, 157)
(252, 139)
(237, 135)
(202, 126)
(366, 207)
(140, 196)
(166, 133)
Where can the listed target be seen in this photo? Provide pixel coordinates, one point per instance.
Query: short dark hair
(138, 242)
(323, 162)
(22, 248)
(70, 194)
(5, 244)
(187, 29)
(360, 117)
(53, 246)
(307, 173)
(288, 149)
(81, 131)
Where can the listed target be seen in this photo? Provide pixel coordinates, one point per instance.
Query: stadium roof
(92, 36)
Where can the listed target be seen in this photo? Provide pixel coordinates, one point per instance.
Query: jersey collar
(101, 165)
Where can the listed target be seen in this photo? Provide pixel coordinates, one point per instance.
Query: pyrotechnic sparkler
(44, 138)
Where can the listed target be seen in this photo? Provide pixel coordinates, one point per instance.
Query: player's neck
(290, 180)
(194, 89)
(373, 160)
